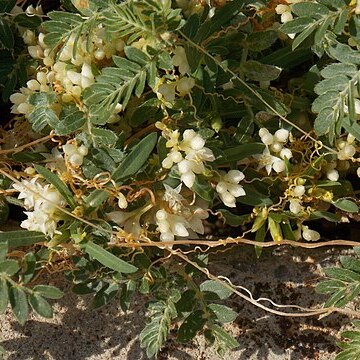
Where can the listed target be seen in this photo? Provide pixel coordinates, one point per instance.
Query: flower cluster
(43, 200)
(179, 218)
(228, 187)
(189, 154)
(295, 203)
(183, 85)
(74, 154)
(275, 151)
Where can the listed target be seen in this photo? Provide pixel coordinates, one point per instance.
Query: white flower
(173, 197)
(269, 161)
(29, 191)
(188, 169)
(195, 154)
(122, 202)
(74, 154)
(347, 151)
(310, 235)
(44, 200)
(229, 189)
(129, 221)
(286, 153)
(184, 85)
(170, 225)
(191, 141)
(358, 172)
(295, 206)
(196, 220)
(167, 91)
(298, 191)
(179, 59)
(39, 221)
(332, 175)
(282, 135)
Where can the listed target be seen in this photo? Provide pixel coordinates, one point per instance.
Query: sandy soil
(285, 275)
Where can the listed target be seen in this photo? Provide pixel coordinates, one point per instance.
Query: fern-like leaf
(135, 19)
(157, 330)
(350, 349)
(344, 283)
(117, 84)
(336, 99)
(64, 26)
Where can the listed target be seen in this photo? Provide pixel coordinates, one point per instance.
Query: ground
(286, 275)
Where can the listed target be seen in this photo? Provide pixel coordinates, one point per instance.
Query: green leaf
(28, 267)
(352, 127)
(344, 53)
(261, 40)
(30, 22)
(105, 295)
(257, 71)
(308, 8)
(96, 198)
(304, 35)
(104, 136)
(187, 301)
(202, 188)
(328, 286)
(297, 25)
(27, 156)
(4, 248)
(350, 263)
(127, 292)
(19, 304)
(71, 119)
(108, 259)
(116, 85)
(223, 338)
(6, 5)
(346, 205)
(215, 287)
(21, 238)
(223, 313)
(6, 35)
(191, 325)
(324, 121)
(337, 69)
(222, 16)
(342, 274)
(240, 152)
(157, 330)
(4, 295)
(58, 184)
(40, 306)
(48, 291)
(41, 117)
(9, 267)
(137, 157)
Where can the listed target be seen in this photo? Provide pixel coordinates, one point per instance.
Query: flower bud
(310, 235)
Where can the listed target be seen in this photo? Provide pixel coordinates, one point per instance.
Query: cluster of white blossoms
(275, 151)
(346, 149)
(229, 189)
(43, 200)
(179, 219)
(295, 204)
(74, 154)
(188, 155)
(183, 85)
